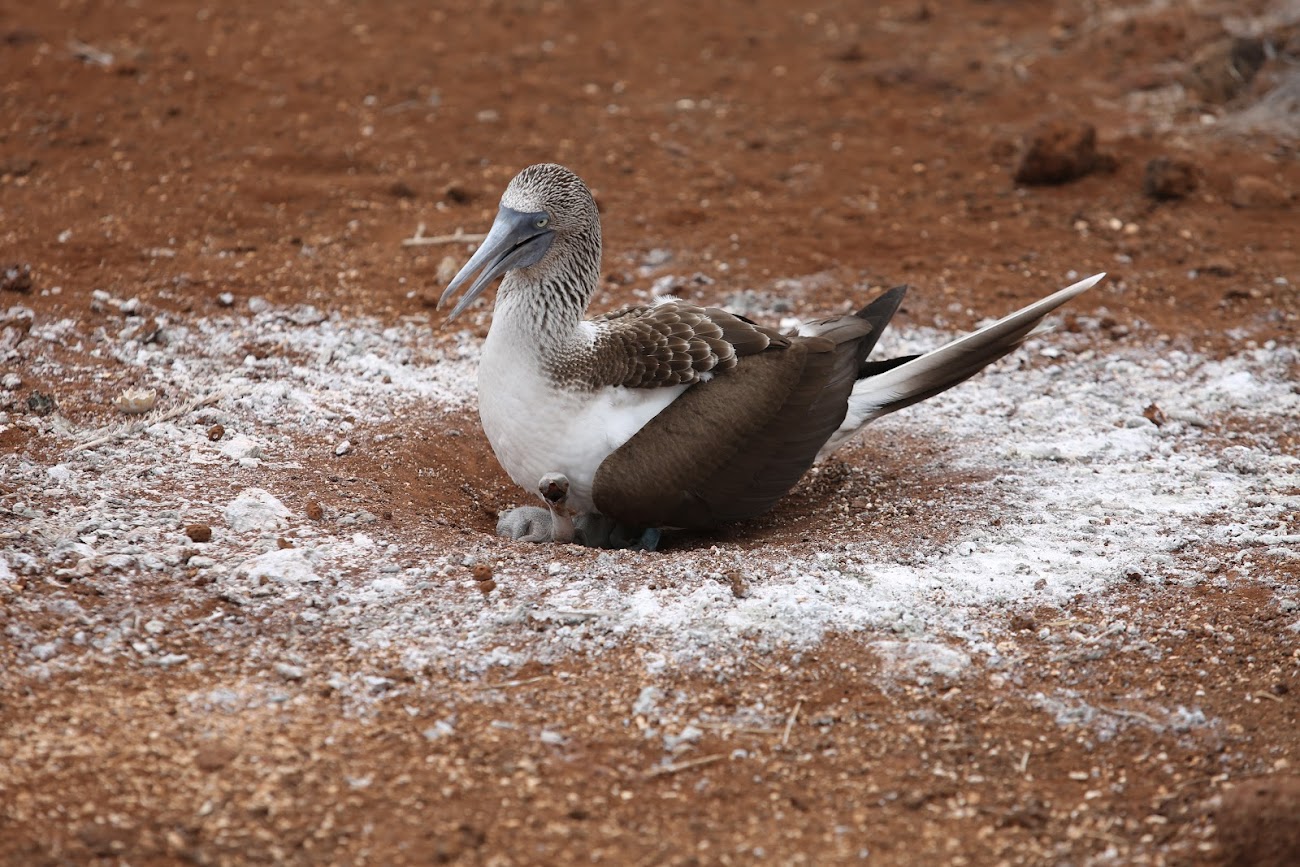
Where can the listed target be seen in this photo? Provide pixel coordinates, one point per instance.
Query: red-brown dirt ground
(203, 160)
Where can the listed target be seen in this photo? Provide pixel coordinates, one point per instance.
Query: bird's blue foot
(535, 524)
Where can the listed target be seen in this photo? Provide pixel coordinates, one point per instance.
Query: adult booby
(668, 414)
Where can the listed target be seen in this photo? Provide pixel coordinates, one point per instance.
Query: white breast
(536, 428)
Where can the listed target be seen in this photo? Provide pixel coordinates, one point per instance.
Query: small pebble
(214, 756)
(1058, 152)
(343, 448)
(1222, 69)
(216, 432)
(136, 401)
(1217, 268)
(226, 299)
(1167, 179)
(458, 194)
(289, 672)
(1252, 191)
(41, 404)
(314, 510)
(482, 572)
(739, 586)
(16, 278)
(199, 532)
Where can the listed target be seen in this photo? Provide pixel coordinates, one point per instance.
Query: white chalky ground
(1099, 495)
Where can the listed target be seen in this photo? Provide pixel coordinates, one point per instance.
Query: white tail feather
(946, 366)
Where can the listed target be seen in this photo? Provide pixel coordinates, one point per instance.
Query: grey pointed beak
(514, 241)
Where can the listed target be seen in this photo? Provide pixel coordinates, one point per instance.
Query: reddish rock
(1058, 152)
(1258, 824)
(16, 278)
(1224, 68)
(1169, 178)
(1252, 191)
(199, 532)
(214, 756)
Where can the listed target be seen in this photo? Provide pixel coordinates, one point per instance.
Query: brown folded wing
(730, 447)
(673, 344)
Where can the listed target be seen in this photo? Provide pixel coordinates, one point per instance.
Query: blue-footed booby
(669, 414)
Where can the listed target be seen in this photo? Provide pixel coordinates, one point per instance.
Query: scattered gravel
(1087, 491)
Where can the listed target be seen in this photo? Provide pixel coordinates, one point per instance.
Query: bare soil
(171, 152)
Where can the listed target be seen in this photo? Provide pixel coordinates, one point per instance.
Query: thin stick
(507, 684)
(419, 239)
(89, 53)
(789, 724)
(735, 729)
(664, 770)
(1130, 714)
(135, 427)
(1269, 696)
(579, 613)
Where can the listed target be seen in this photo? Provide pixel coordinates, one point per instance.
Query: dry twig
(789, 724)
(507, 684)
(135, 427)
(735, 729)
(664, 770)
(419, 239)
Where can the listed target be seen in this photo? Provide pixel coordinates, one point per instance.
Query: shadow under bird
(668, 414)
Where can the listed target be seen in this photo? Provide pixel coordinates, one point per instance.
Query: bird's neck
(544, 306)
(539, 310)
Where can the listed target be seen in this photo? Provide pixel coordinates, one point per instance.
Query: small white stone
(283, 566)
(343, 448)
(647, 701)
(258, 304)
(135, 401)
(441, 729)
(168, 660)
(226, 299)
(289, 672)
(240, 446)
(255, 509)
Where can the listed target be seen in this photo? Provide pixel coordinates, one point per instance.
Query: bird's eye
(541, 222)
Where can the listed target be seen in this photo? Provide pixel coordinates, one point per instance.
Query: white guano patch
(1099, 495)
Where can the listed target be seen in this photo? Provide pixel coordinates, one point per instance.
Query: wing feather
(671, 343)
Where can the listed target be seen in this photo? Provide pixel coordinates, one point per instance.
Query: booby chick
(669, 414)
